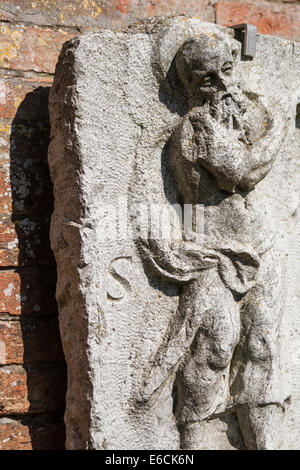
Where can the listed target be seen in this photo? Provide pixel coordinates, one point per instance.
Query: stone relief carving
(191, 342)
(224, 333)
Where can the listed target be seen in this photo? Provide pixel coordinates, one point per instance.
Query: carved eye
(204, 79)
(227, 68)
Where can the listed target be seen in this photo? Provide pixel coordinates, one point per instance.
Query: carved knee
(260, 348)
(221, 354)
(223, 338)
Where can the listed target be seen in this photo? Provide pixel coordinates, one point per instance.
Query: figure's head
(206, 65)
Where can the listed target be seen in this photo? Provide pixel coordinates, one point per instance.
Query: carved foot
(260, 426)
(192, 436)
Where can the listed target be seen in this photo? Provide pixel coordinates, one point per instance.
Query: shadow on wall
(297, 123)
(32, 198)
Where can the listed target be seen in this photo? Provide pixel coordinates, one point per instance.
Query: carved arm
(232, 162)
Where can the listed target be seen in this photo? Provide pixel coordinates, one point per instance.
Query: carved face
(206, 66)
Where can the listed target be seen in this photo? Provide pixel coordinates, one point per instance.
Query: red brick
(123, 6)
(27, 136)
(25, 187)
(32, 433)
(10, 293)
(13, 91)
(9, 249)
(98, 14)
(12, 343)
(28, 292)
(30, 47)
(54, 12)
(86, 13)
(25, 242)
(198, 8)
(31, 389)
(13, 392)
(279, 20)
(25, 184)
(30, 341)
(4, 139)
(5, 198)
(5, 190)
(21, 140)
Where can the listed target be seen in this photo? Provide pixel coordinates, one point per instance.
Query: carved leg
(258, 389)
(202, 380)
(260, 425)
(198, 302)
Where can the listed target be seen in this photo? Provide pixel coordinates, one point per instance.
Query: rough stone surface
(168, 345)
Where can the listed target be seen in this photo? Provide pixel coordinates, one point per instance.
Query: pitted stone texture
(112, 116)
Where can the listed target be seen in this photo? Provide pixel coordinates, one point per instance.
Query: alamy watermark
(171, 222)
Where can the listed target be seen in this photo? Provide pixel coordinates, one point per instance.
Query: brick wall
(32, 369)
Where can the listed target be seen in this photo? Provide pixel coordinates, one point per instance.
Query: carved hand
(225, 155)
(218, 150)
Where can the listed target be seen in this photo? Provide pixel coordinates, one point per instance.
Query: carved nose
(222, 83)
(214, 79)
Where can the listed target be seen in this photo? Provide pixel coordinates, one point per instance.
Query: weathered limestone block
(178, 338)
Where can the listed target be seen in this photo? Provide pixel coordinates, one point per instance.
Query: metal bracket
(249, 47)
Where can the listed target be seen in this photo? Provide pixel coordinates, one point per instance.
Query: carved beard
(228, 108)
(224, 105)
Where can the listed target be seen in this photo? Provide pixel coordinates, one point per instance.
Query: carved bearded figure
(220, 347)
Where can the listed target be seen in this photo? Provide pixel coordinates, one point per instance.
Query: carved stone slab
(178, 343)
